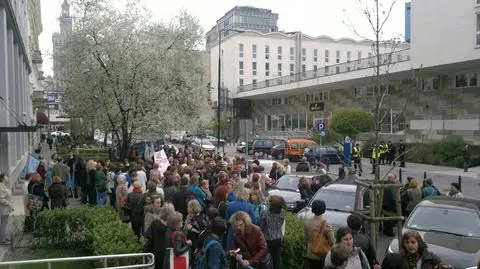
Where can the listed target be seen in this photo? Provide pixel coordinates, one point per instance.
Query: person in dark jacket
(304, 189)
(135, 208)
(415, 251)
(215, 254)
(360, 240)
(155, 236)
(36, 186)
(389, 205)
(181, 198)
(58, 193)
(169, 189)
(303, 166)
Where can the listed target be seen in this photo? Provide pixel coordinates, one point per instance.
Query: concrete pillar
(11, 84)
(4, 164)
(13, 137)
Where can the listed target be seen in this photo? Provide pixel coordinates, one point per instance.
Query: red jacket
(251, 243)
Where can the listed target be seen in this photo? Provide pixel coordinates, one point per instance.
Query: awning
(42, 118)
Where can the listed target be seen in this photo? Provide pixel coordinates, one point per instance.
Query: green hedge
(294, 244)
(96, 230)
(444, 152)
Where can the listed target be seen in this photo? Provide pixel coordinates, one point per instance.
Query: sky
(313, 17)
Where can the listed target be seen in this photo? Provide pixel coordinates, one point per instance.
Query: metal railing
(328, 70)
(150, 257)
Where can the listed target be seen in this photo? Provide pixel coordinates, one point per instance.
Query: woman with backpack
(356, 257)
(177, 244)
(319, 235)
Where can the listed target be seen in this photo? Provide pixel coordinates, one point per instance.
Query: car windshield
(447, 220)
(288, 183)
(336, 200)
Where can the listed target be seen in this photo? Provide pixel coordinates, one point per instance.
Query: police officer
(375, 156)
(383, 148)
(401, 153)
(357, 157)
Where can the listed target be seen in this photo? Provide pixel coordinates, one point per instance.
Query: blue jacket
(234, 207)
(216, 257)
(198, 193)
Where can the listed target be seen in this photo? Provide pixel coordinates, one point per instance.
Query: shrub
(294, 244)
(96, 230)
(448, 148)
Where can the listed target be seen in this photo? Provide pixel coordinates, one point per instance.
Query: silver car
(202, 145)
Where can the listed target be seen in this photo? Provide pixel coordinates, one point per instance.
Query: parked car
(287, 187)
(214, 140)
(278, 151)
(241, 147)
(325, 154)
(340, 201)
(202, 145)
(449, 226)
(264, 145)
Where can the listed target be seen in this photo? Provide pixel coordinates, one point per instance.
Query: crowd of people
(211, 211)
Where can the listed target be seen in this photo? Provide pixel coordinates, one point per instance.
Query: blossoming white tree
(129, 74)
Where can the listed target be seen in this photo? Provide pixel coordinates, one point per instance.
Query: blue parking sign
(320, 126)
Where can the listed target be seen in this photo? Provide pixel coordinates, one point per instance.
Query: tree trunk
(125, 142)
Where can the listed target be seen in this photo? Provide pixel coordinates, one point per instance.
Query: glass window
(292, 53)
(241, 82)
(254, 68)
(254, 51)
(338, 57)
(294, 146)
(254, 81)
(240, 67)
(279, 51)
(267, 69)
(304, 68)
(304, 54)
(326, 56)
(359, 56)
(279, 70)
(336, 200)
(426, 218)
(478, 29)
(287, 182)
(240, 50)
(267, 52)
(349, 56)
(314, 68)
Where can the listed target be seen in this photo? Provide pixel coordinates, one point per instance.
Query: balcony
(37, 57)
(324, 71)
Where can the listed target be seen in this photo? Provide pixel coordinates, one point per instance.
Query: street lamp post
(219, 77)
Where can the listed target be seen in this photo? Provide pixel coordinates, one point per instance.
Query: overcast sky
(312, 17)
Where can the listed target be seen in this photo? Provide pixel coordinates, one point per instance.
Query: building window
(279, 52)
(277, 101)
(349, 56)
(304, 54)
(327, 56)
(477, 2)
(240, 50)
(304, 68)
(477, 34)
(338, 56)
(240, 67)
(279, 70)
(267, 69)
(292, 53)
(292, 69)
(315, 55)
(254, 68)
(308, 98)
(327, 69)
(285, 101)
(358, 92)
(370, 60)
(254, 51)
(315, 68)
(359, 56)
(254, 82)
(466, 80)
(241, 82)
(267, 52)
(337, 69)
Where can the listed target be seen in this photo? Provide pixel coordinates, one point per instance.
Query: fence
(104, 258)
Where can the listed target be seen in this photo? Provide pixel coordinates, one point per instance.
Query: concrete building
(20, 24)
(431, 90)
(245, 18)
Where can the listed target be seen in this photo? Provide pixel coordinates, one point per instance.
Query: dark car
(265, 145)
(287, 187)
(449, 226)
(278, 151)
(325, 154)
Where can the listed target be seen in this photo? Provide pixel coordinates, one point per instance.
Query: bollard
(341, 173)
(400, 175)
(460, 183)
(425, 175)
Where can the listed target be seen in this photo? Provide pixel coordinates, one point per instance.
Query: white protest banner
(162, 160)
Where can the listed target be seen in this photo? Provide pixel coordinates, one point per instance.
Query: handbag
(35, 202)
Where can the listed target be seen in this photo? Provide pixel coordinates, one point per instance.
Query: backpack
(320, 244)
(258, 210)
(201, 256)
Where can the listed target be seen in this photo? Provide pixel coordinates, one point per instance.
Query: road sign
(320, 126)
(317, 106)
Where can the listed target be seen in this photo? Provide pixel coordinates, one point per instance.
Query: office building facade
(244, 18)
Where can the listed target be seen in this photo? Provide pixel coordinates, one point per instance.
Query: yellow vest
(356, 152)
